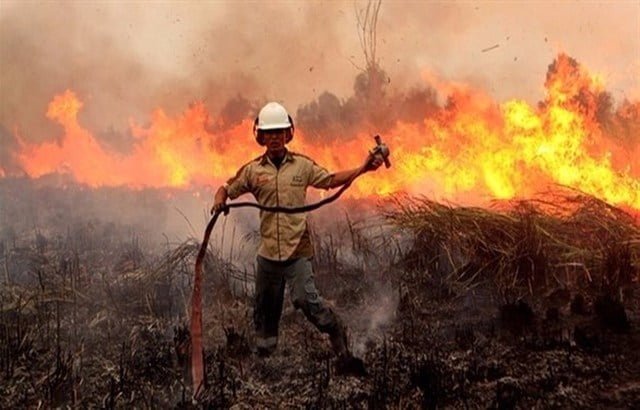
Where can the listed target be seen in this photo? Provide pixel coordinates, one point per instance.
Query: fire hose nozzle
(382, 149)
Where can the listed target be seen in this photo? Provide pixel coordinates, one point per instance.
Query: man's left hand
(373, 162)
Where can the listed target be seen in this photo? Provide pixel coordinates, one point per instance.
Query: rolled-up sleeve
(319, 177)
(240, 183)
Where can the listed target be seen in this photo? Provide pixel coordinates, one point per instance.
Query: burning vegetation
(525, 296)
(467, 148)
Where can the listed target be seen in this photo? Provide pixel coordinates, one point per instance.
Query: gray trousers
(269, 297)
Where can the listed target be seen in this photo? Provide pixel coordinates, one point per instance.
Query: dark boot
(339, 342)
(347, 364)
(351, 366)
(265, 346)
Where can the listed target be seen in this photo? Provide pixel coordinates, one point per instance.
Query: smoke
(8, 145)
(126, 60)
(236, 110)
(372, 107)
(378, 314)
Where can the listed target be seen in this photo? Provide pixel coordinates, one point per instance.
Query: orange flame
(472, 150)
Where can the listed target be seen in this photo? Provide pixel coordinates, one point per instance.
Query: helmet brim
(281, 126)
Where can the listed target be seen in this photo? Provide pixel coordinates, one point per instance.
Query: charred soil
(88, 319)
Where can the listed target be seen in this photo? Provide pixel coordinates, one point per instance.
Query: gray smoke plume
(374, 106)
(125, 60)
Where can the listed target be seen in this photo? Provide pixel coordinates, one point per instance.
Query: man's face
(274, 140)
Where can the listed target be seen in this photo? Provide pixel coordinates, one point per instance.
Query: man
(280, 178)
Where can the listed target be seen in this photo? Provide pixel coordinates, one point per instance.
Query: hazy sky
(124, 59)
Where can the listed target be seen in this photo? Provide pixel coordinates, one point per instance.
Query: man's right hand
(218, 207)
(220, 201)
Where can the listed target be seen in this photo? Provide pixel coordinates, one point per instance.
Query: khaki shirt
(283, 236)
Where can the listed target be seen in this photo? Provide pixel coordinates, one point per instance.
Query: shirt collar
(265, 159)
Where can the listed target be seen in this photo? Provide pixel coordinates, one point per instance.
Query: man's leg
(269, 295)
(305, 296)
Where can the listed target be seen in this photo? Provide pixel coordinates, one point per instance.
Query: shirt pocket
(262, 180)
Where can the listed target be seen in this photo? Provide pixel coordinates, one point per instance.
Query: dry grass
(99, 325)
(567, 239)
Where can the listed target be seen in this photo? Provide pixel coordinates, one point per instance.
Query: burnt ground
(90, 316)
(438, 351)
(94, 339)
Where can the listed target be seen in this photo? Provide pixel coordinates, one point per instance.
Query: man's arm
(233, 188)
(342, 177)
(220, 199)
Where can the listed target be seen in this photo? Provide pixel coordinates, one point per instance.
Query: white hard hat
(273, 116)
